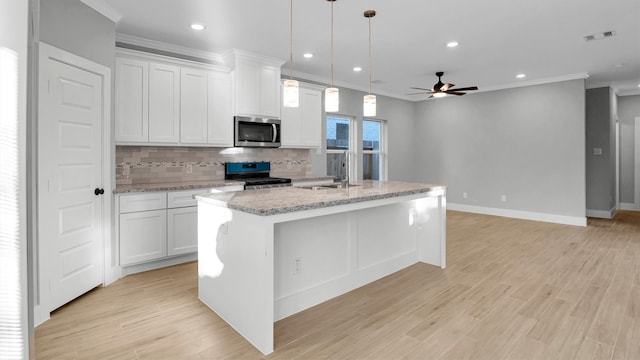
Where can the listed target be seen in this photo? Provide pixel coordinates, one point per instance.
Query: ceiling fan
(442, 89)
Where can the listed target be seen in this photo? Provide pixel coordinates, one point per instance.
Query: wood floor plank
(513, 289)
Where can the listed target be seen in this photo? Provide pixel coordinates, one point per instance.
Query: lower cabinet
(143, 236)
(157, 225)
(182, 230)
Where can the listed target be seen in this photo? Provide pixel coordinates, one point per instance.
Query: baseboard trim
(629, 206)
(603, 214)
(153, 265)
(519, 214)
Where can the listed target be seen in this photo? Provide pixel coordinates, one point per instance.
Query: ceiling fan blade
(430, 97)
(447, 86)
(454, 93)
(467, 88)
(417, 88)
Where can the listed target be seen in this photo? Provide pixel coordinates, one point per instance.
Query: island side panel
(431, 214)
(235, 271)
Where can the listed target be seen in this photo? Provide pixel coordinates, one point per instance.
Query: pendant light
(291, 88)
(331, 94)
(369, 103)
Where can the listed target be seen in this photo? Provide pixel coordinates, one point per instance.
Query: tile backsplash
(162, 164)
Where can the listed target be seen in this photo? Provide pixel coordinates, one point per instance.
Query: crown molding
(629, 92)
(230, 55)
(176, 49)
(325, 81)
(542, 81)
(103, 8)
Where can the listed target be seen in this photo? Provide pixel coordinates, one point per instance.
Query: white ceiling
(498, 38)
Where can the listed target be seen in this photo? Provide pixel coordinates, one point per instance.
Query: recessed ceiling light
(308, 55)
(452, 44)
(520, 76)
(197, 27)
(619, 65)
(357, 68)
(638, 85)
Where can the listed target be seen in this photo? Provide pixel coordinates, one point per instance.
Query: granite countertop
(184, 185)
(311, 178)
(282, 200)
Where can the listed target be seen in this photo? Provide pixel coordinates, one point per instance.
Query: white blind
(11, 295)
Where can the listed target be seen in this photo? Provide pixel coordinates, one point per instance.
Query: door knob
(98, 191)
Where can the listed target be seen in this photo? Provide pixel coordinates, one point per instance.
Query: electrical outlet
(289, 165)
(189, 168)
(503, 198)
(126, 170)
(297, 266)
(465, 195)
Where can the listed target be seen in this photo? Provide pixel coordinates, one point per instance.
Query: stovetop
(254, 174)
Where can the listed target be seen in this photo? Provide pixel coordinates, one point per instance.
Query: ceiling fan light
(291, 94)
(369, 105)
(439, 94)
(331, 99)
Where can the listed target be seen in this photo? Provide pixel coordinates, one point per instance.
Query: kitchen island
(266, 254)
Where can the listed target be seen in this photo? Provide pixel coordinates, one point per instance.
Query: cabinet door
(311, 115)
(220, 124)
(132, 85)
(291, 126)
(193, 106)
(164, 103)
(143, 236)
(270, 91)
(247, 87)
(182, 230)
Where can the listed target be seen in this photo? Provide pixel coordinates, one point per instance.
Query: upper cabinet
(256, 84)
(302, 126)
(167, 101)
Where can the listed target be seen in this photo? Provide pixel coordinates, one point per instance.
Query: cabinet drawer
(143, 202)
(178, 199)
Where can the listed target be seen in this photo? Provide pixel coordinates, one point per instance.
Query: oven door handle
(275, 132)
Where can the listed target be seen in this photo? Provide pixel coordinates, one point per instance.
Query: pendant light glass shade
(291, 94)
(331, 99)
(369, 105)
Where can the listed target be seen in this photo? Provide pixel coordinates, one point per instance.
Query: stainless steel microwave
(256, 132)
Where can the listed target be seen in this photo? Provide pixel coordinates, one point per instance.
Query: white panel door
(69, 169)
(132, 101)
(193, 106)
(164, 103)
(182, 230)
(220, 127)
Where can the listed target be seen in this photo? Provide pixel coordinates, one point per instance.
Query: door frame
(111, 271)
(636, 161)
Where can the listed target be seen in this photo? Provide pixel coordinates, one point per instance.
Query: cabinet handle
(98, 191)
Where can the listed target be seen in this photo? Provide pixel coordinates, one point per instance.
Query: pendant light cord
(291, 42)
(331, 43)
(369, 55)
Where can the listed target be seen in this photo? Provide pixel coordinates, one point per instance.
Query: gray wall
(73, 26)
(628, 110)
(600, 134)
(526, 143)
(398, 114)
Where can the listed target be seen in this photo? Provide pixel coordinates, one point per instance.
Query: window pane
(370, 135)
(337, 133)
(371, 167)
(335, 165)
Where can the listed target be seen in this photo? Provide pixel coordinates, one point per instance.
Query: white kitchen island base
(255, 269)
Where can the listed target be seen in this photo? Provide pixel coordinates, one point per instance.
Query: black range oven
(256, 175)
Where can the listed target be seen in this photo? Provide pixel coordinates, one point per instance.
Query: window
(338, 144)
(371, 143)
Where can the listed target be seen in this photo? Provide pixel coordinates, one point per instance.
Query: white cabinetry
(256, 84)
(143, 229)
(166, 101)
(157, 225)
(132, 100)
(164, 106)
(302, 126)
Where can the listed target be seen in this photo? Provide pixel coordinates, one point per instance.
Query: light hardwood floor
(513, 289)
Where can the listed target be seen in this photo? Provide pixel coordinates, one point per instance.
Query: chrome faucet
(346, 165)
